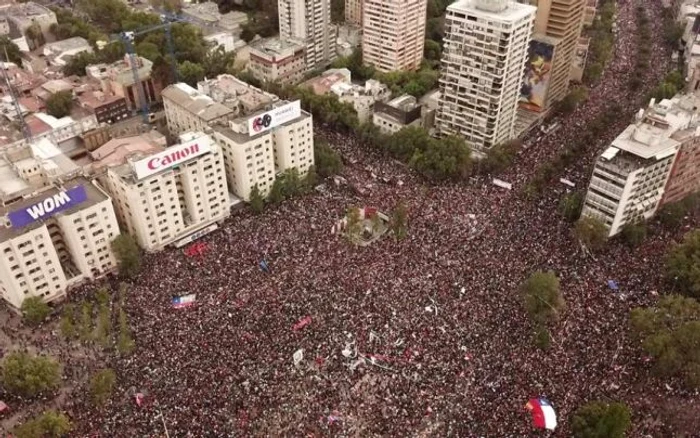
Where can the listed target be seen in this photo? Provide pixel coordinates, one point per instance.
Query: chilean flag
(184, 301)
(543, 415)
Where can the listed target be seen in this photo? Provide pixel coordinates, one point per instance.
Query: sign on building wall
(49, 206)
(533, 92)
(172, 156)
(266, 121)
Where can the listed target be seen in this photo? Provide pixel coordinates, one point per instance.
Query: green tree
(592, 232)
(292, 184)
(311, 179)
(50, 424)
(328, 161)
(148, 50)
(432, 50)
(670, 333)
(683, 265)
(671, 215)
(447, 158)
(276, 194)
(35, 35)
(354, 224)
(104, 325)
(570, 206)
(190, 73)
(399, 221)
(76, 64)
(13, 53)
(499, 157)
(634, 234)
(126, 343)
(35, 310)
(86, 326)
(128, 255)
(101, 386)
(598, 419)
(257, 202)
(404, 143)
(106, 14)
(67, 324)
(572, 100)
(542, 299)
(28, 376)
(60, 104)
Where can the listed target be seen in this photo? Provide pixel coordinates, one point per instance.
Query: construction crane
(26, 132)
(128, 38)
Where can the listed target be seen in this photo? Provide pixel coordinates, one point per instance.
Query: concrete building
(118, 79)
(164, 196)
(630, 177)
(397, 114)
(323, 83)
(308, 22)
(188, 110)
(107, 108)
(276, 60)
(353, 11)
(256, 152)
(486, 46)
(349, 39)
(236, 94)
(558, 24)
(226, 40)
(589, 10)
(207, 15)
(21, 16)
(393, 34)
(59, 53)
(57, 226)
(362, 98)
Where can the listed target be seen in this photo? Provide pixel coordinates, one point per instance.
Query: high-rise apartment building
(163, 196)
(353, 12)
(486, 45)
(393, 34)
(308, 22)
(56, 228)
(558, 25)
(631, 176)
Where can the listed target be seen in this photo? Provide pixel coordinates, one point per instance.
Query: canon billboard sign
(172, 157)
(266, 121)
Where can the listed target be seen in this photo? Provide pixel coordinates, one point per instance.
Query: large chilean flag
(543, 415)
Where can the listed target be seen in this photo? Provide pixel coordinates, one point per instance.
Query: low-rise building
(362, 98)
(259, 147)
(208, 16)
(164, 196)
(226, 40)
(630, 177)
(107, 108)
(59, 53)
(322, 84)
(21, 16)
(276, 60)
(349, 39)
(57, 226)
(398, 113)
(118, 79)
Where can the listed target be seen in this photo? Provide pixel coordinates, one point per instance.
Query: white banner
(275, 117)
(172, 156)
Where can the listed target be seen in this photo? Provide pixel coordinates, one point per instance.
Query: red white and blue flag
(543, 415)
(184, 301)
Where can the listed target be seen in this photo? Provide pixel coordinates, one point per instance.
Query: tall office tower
(486, 45)
(353, 11)
(558, 26)
(308, 22)
(393, 34)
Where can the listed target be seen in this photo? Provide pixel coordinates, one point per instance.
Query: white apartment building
(486, 44)
(57, 227)
(257, 148)
(165, 197)
(308, 22)
(630, 176)
(277, 60)
(393, 34)
(353, 11)
(188, 110)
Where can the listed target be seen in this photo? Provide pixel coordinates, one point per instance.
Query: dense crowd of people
(424, 336)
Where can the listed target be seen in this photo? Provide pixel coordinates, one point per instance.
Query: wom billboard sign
(49, 206)
(275, 117)
(172, 157)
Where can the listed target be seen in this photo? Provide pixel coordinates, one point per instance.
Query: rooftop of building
(404, 103)
(92, 99)
(93, 196)
(67, 44)
(236, 94)
(499, 10)
(372, 88)
(196, 102)
(275, 47)
(26, 10)
(116, 151)
(322, 84)
(244, 137)
(208, 12)
(120, 70)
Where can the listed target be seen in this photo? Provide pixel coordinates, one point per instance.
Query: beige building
(276, 60)
(393, 34)
(57, 226)
(118, 79)
(481, 73)
(353, 11)
(308, 22)
(255, 154)
(188, 110)
(562, 22)
(163, 196)
(398, 113)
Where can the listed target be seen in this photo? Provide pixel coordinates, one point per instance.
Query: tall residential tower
(308, 22)
(393, 34)
(486, 45)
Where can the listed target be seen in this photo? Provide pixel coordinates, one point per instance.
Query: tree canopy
(447, 158)
(126, 251)
(101, 386)
(29, 376)
(683, 265)
(35, 310)
(591, 232)
(542, 299)
(59, 104)
(50, 424)
(598, 419)
(13, 52)
(327, 161)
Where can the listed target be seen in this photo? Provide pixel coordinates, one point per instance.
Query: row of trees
(602, 40)
(643, 48)
(287, 185)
